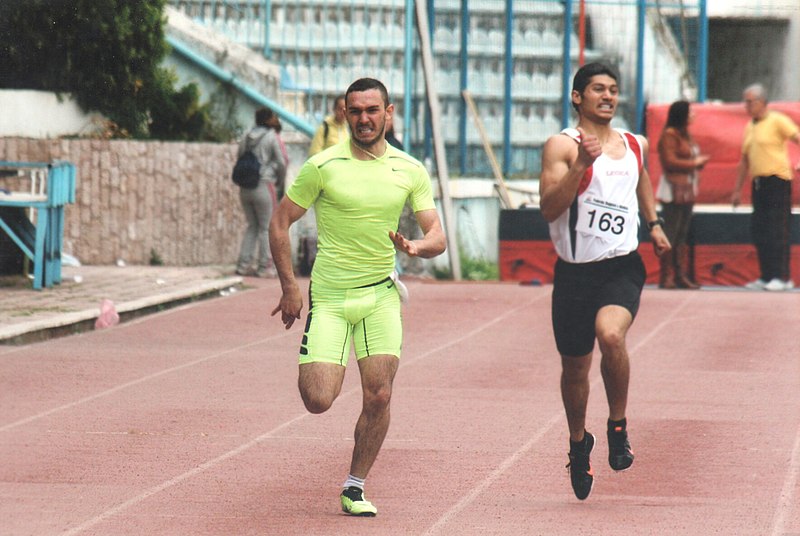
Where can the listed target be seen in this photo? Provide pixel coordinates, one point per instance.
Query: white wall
(751, 8)
(40, 114)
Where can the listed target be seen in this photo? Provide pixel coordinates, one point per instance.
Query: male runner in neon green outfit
(358, 189)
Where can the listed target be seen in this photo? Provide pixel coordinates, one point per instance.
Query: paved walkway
(28, 315)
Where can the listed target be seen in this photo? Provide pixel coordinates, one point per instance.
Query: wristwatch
(657, 221)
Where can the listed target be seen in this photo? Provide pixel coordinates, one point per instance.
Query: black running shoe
(620, 455)
(580, 470)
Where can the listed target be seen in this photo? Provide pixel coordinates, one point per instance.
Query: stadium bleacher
(322, 45)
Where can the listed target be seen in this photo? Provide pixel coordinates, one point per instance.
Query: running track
(188, 422)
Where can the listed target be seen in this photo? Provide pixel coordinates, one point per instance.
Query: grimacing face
(599, 98)
(367, 117)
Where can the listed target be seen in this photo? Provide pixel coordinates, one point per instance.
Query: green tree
(108, 55)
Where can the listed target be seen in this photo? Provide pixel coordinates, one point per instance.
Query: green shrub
(108, 55)
(471, 270)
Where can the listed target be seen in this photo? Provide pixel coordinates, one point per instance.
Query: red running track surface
(188, 422)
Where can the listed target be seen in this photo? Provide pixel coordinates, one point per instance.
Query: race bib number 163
(602, 219)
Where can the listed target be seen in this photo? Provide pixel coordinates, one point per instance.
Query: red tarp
(719, 130)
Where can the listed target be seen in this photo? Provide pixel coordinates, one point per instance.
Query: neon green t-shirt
(357, 203)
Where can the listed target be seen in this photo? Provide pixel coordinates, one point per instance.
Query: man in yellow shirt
(332, 130)
(766, 158)
(358, 190)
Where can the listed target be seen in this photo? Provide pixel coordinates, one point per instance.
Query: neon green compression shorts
(368, 316)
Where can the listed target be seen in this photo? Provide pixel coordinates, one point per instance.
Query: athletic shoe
(620, 455)
(354, 503)
(580, 470)
(777, 285)
(758, 284)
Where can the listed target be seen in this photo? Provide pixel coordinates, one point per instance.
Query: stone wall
(136, 200)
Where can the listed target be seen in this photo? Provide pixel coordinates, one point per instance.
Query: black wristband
(657, 221)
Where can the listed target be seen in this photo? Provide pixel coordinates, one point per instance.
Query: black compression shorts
(581, 290)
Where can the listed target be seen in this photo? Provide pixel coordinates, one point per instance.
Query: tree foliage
(108, 55)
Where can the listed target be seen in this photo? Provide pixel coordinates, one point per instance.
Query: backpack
(247, 171)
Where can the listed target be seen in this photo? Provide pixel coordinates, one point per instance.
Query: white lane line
(786, 502)
(137, 382)
(483, 327)
(506, 464)
(180, 478)
(240, 449)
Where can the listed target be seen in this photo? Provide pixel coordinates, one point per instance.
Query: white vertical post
(438, 139)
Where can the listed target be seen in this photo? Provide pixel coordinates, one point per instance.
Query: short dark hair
(263, 116)
(585, 74)
(365, 84)
(336, 101)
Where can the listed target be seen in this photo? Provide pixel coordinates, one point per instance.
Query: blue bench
(40, 236)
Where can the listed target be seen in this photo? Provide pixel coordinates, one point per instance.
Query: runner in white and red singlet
(593, 186)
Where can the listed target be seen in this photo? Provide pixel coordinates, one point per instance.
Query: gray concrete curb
(78, 321)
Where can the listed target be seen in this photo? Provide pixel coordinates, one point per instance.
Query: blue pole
(267, 19)
(642, 10)
(566, 67)
(507, 89)
(428, 127)
(408, 74)
(702, 54)
(462, 113)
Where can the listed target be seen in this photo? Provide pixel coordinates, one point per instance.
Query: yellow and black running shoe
(355, 504)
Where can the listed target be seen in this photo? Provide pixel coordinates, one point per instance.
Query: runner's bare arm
(564, 163)
(291, 302)
(647, 206)
(431, 244)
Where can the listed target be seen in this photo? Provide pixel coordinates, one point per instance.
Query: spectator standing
(592, 189)
(765, 158)
(677, 188)
(332, 130)
(257, 203)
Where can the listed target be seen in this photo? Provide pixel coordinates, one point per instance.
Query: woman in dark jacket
(680, 161)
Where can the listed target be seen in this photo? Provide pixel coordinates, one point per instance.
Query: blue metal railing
(245, 89)
(530, 46)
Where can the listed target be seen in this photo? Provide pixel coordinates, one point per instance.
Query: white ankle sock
(353, 481)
